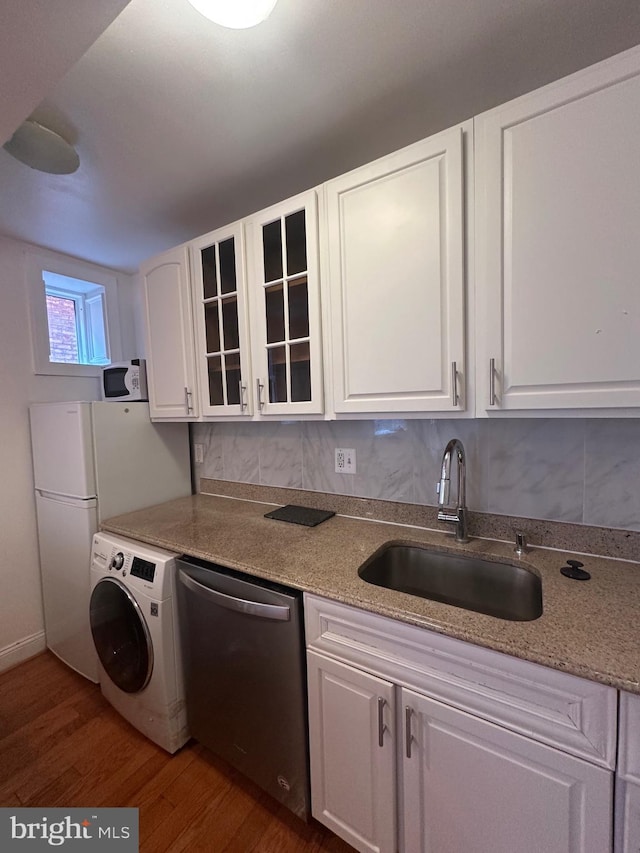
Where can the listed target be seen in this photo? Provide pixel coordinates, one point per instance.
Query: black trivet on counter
(300, 515)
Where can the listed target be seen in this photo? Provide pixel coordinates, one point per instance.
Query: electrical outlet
(345, 460)
(198, 454)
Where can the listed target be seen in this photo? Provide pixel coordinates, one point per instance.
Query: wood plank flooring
(61, 744)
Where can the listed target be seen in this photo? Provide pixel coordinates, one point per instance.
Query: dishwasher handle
(230, 602)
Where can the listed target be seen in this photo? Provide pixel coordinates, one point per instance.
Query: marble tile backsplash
(573, 470)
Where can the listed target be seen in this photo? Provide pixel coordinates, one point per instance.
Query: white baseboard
(24, 649)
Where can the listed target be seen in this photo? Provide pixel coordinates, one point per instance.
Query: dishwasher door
(243, 656)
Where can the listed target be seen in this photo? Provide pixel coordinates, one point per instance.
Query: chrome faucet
(457, 515)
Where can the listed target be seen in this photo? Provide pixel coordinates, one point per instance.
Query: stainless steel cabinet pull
(407, 730)
(242, 388)
(454, 383)
(381, 725)
(260, 388)
(187, 399)
(492, 381)
(230, 602)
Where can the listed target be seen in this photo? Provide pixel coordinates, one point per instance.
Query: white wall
(21, 620)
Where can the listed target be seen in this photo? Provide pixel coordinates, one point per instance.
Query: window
(76, 320)
(74, 315)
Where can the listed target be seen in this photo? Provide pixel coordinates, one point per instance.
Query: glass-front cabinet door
(220, 313)
(285, 318)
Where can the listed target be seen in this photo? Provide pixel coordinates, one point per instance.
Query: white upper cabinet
(284, 292)
(397, 280)
(558, 254)
(536, 203)
(246, 294)
(221, 324)
(169, 337)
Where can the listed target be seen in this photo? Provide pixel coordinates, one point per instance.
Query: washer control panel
(143, 566)
(117, 561)
(144, 569)
(124, 563)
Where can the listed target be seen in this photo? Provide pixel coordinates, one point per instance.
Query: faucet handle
(442, 491)
(521, 544)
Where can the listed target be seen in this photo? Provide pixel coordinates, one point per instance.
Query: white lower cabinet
(627, 838)
(469, 785)
(627, 823)
(516, 759)
(352, 730)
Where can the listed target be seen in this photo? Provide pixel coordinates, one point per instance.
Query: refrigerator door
(62, 448)
(137, 463)
(65, 531)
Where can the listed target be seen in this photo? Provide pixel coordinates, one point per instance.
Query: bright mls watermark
(82, 830)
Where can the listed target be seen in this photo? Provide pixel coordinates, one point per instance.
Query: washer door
(121, 635)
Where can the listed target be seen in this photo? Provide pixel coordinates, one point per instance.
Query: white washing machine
(133, 616)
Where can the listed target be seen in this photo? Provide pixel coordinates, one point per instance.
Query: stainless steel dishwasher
(244, 669)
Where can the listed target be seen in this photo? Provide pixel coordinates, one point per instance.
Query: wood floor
(62, 745)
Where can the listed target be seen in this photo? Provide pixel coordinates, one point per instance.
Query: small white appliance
(125, 381)
(92, 461)
(133, 616)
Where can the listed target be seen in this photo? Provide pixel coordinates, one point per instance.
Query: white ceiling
(39, 42)
(182, 126)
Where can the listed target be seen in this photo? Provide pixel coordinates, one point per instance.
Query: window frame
(84, 297)
(38, 262)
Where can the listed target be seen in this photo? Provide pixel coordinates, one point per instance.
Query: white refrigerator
(93, 460)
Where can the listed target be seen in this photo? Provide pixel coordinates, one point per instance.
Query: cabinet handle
(407, 730)
(187, 399)
(242, 388)
(381, 725)
(492, 381)
(454, 384)
(260, 388)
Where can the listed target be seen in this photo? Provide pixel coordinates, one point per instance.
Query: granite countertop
(590, 629)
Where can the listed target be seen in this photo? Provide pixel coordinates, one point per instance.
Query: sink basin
(485, 586)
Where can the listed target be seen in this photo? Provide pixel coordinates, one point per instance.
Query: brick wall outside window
(63, 337)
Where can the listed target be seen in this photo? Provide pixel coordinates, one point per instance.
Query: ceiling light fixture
(237, 14)
(43, 149)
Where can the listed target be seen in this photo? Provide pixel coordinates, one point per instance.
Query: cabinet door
(471, 785)
(169, 334)
(220, 314)
(557, 205)
(627, 828)
(396, 269)
(352, 749)
(285, 308)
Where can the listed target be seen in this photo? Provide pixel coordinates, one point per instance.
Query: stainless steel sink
(498, 589)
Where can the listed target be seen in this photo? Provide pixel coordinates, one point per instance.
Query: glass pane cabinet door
(221, 326)
(287, 299)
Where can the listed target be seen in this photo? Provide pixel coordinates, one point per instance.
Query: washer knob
(117, 561)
